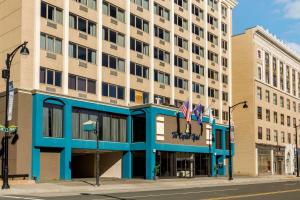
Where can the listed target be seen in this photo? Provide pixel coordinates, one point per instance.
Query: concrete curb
(57, 189)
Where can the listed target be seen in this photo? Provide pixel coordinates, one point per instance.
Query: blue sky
(281, 17)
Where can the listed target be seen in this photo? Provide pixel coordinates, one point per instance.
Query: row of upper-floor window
(56, 14)
(54, 44)
(89, 27)
(268, 136)
(287, 75)
(259, 94)
(75, 82)
(275, 117)
(145, 4)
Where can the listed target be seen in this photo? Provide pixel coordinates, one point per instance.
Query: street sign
(89, 126)
(10, 129)
(10, 100)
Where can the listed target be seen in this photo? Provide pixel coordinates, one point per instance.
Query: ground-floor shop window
(264, 161)
(110, 127)
(180, 164)
(52, 120)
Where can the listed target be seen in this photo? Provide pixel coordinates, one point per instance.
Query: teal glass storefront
(132, 132)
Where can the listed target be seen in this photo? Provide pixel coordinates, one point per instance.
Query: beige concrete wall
(111, 164)
(243, 89)
(19, 153)
(49, 165)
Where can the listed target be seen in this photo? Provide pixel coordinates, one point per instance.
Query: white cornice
(279, 43)
(231, 3)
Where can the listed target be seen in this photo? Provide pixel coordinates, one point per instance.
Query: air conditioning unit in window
(83, 8)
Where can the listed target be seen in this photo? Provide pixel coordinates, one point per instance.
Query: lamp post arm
(235, 105)
(11, 55)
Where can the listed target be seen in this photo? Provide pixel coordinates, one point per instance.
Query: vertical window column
(190, 21)
(127, 46)
(99, 51)
(172, 54)
(205, 51)
(66, 48)
(220, 60)
(230, 55)
(151, 98)
(36, 49)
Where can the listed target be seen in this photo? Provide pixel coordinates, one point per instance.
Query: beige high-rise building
(266, 73)
(109, 55)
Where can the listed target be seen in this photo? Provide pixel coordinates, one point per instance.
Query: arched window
(53, 119)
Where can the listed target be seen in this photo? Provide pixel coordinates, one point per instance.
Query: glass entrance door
(185, 165)
(202, 164)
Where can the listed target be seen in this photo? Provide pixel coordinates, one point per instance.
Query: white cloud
(294, 46)
(291, 8)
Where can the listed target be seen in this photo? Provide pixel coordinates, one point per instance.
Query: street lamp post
(297, 160)
(229, 138)
(6, 75)
(91, 126)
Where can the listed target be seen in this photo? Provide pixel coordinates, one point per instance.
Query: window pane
(50, 77)
(50, 13)
(72, 82)
(42, 75)
(59, 16)
(112, 91)
(72, 21)
(91, 56)
(113, 62)
(114, 129)
(58, 79)
(50, 44)
(43, 10)
(82, 25)
(43, 41)
(138, 70)
(113, 12)
(113, 36)
(122, 65)
(106, 128)
(104, 89)
(81, 53)
(58, 46)
(72, 50)
(104, 60)
(81, 84)
(121, 93)
(92, 86)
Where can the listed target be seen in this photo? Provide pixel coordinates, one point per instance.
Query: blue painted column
(129, 129)
(127, 165)
(35, 168)
(222, 171)
(213, 149)
(37, 129)
(213, 164)
(66, 153)
(127, 155)
(150, 141)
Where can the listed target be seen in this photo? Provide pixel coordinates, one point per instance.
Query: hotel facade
(266, 73)
(128, 65)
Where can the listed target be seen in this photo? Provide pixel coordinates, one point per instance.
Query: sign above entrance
(186, 136)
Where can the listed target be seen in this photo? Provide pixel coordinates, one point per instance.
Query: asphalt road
(271, 191)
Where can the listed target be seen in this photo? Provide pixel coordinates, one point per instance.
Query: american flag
(185, 110)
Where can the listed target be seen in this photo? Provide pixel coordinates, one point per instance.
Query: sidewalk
(86, 186)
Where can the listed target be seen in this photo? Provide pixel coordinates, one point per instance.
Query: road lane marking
(167, 194)
(253, 195)
(17, 197)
